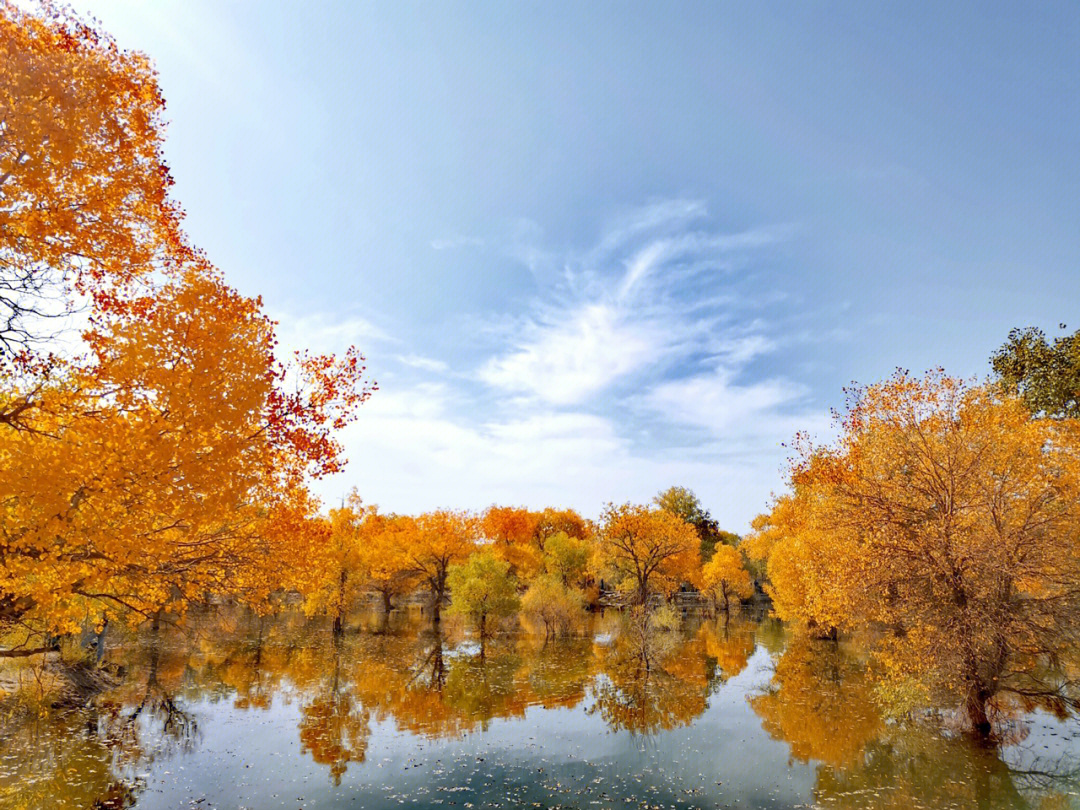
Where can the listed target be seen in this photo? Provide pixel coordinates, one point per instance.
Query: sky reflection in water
(240, 712)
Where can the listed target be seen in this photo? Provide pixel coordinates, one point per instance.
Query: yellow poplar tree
(384, 553)
(439, 540)
(724, 576)
(648, 550)
(949, 515)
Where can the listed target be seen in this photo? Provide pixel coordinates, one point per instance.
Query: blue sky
(595, 249)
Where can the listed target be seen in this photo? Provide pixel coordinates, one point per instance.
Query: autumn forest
(911, 593)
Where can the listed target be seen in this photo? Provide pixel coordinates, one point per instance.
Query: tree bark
(643, 591)
(26, 652)
(339, 619)
(975, 707)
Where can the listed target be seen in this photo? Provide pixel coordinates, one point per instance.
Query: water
(233, 711)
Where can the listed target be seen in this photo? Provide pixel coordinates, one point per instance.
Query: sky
(592, 250)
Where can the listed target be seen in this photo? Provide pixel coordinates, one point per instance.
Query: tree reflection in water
(651, 677)
(406, 679)
(335, 727)
(821, 702)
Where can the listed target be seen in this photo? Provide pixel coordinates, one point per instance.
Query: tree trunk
(821, 633)
(975, 708)
(99, 642)
(339, 619)
(438, 591)
(386, 602)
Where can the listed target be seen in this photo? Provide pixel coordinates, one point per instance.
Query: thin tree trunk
(99, 642)
(339, 619)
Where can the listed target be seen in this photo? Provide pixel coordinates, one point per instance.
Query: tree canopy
(950, 514)
(169, 457)
(648, 550)
(685, 504)
(1045, 375)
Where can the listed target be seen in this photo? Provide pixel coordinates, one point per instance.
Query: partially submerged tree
(724, 576)
(551, 603)
(482, 590)
(333, 571)
(648, 550)
(950, 515)
(440, 539)
(384, 554)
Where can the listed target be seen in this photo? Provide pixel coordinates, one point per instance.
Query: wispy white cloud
(568, 360)
(639, 267)
(748, 418)
(423, 363)
(650, 316)
(451, 242)
(626, 307)
(646, 220)
(716, 402)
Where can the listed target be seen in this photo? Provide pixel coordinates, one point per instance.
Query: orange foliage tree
(724, 576)
(950, 515)
(385, 556)
(648, 550)
(512, 532)
(332, 574)
(83, 187)
(551, 522)
(168, 466)
(170, 461)
(520, 536)
(440, 539)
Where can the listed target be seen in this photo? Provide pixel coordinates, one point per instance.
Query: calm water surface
(234, 711)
